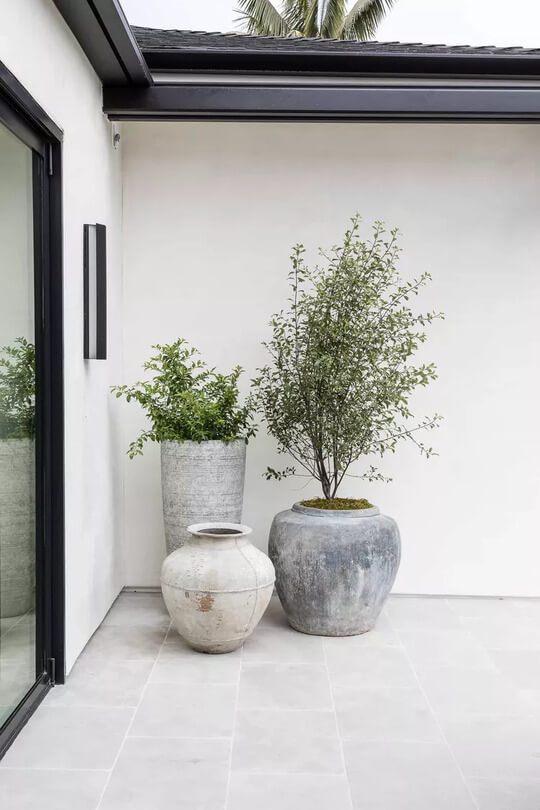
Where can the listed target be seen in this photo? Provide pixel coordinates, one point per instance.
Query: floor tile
(102, 683)
(369, 666)
(138, 609)
(130, 643)
(498, 794)
(178, 663)
(405, 776)
(283, 645)
(185, 710)
(79, 738)
(385, 714)
(416, 613)
(506, 746)
(158, 774)
(284, 686)
(503, 633)
(288, 792)
(286, 742)
(454, 691)
(520, 667)
(458, 648)
(496, 609)
(378, 637)
(51, 790)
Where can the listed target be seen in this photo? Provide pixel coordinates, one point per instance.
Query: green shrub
(18, 390)
(187, 401)
(339, 381)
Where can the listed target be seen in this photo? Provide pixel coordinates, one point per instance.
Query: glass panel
(17, 425)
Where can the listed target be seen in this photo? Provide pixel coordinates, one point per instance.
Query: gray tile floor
(436, 709)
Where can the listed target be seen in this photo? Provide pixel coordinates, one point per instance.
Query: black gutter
(105, 36)
(221, 102)
(375, 63)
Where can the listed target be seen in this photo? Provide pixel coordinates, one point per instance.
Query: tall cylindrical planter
(217, 586)
(17, 526)
(201, 481)
(334, 568)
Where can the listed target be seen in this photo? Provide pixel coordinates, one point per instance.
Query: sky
(453, 22)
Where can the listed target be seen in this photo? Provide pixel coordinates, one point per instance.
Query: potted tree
(17, 477)
(195, 414)
(336, 391)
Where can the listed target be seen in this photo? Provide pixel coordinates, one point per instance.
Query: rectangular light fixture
(95, 292)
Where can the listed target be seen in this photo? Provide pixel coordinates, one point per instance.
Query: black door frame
(21, 114)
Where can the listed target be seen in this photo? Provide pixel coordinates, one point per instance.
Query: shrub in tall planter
(196, 416)
(17, 477)
(337, 390)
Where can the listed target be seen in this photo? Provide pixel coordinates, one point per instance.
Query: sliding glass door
(31, 407)
(19, 655)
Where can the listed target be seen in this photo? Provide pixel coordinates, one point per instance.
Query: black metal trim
(320, 103)
(25, 112)
(266, 61)
(101, 292)
(23, 712)
(105, 36)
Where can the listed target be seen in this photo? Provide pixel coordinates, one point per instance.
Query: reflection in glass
(17, 426)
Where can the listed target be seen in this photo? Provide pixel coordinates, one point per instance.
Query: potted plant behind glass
(17, 477)
(195, 415)
(337, 390)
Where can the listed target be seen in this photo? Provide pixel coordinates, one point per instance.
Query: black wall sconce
(95, 292)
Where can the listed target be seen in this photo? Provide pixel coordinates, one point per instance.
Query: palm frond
(295, 12)
(262, 17)
(332, 22)
(364, 18)
(311, 22)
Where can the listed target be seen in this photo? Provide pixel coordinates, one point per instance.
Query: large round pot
(201, 481)
(17, 526)
(217, 586)
(334, 569)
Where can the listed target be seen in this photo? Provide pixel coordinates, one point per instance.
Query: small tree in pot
(338, 390)
(196, 415)
(17, 476)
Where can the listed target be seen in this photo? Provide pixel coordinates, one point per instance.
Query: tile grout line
(434, 715)
(339, 737)
(130, 724)
(235, 718)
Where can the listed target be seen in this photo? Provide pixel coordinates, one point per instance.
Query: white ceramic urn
(217, 586)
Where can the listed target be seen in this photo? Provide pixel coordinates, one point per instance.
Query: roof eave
(387, 64)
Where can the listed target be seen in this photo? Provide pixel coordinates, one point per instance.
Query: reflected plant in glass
(17, 477)
(18, 390)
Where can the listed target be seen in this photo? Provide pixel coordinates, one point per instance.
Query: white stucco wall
(210, 213)
(37, 46)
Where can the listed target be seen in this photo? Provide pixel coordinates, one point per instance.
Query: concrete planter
(17, 526)
(201, 481)
(334, 569)
(217, 586)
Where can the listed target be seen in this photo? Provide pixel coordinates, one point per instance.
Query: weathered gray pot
(334, 569)
(17, 526)
(201, 482)
(217, 586)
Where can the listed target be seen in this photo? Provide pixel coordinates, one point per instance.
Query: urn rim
(229, 531)
(335, 513)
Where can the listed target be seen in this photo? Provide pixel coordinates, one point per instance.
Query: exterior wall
(210, 213)
(39, 49)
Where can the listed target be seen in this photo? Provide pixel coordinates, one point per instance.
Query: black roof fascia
(104, 34)
(215, 102)
(382, 64)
